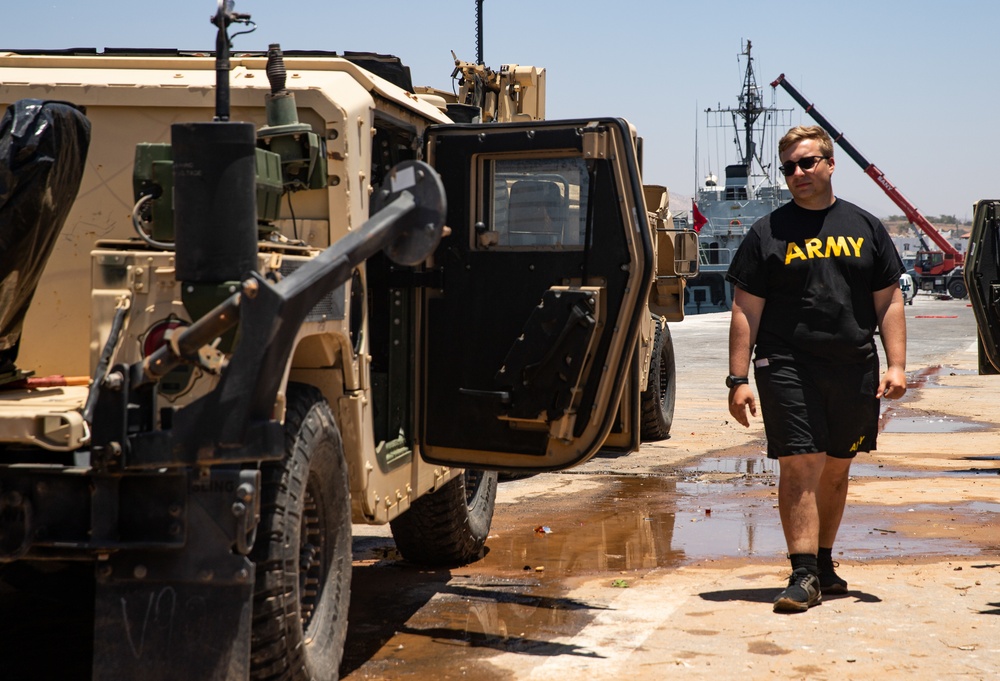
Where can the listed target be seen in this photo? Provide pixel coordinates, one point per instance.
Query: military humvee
(264, 331)
(982, 278)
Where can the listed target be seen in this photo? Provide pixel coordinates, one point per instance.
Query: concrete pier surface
(664, 563)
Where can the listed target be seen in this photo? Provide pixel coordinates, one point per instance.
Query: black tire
(303, 549)
(657, 401)
(448, 527)
(956, 288)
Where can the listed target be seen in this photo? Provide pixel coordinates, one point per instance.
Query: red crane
(938, 271)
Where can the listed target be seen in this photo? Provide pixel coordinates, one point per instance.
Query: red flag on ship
(699, 219)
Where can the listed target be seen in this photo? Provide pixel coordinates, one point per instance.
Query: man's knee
(836, 472)
(802, 465)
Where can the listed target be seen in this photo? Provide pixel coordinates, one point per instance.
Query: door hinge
(596, 143)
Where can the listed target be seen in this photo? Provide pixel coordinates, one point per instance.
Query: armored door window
(530, 203)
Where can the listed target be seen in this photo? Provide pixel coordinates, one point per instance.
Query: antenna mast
(479, 32)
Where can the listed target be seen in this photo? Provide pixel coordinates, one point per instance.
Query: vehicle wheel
(448, 527)
(956, 288)
(661, 390)
(303, 549)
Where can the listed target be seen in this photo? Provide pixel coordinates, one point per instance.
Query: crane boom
(952, 256)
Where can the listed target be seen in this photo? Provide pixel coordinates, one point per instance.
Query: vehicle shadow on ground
(768, 595)
(386, 597)
(47, 628)
(506, 644)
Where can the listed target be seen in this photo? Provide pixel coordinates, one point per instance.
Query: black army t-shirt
(817, 271)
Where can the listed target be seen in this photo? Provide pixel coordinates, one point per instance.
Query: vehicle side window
(530, 203)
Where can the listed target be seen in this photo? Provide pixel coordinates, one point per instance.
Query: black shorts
(810, 408)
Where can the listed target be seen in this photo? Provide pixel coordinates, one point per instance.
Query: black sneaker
(829, 582)
(802, 593)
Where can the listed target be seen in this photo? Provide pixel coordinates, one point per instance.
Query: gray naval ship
(753, 187)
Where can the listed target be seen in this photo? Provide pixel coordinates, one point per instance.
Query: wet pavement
(619, 524)
(722, 506)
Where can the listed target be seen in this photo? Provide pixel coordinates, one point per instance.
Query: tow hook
(246, 510)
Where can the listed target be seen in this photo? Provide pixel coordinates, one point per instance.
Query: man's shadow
(767, 595)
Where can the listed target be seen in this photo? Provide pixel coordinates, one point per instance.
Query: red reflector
(156, 337)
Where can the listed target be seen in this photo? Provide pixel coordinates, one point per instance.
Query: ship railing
(710, 255)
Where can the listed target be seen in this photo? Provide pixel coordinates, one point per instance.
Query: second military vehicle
(982, 274)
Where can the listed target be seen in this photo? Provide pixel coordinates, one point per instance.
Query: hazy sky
(912, 83)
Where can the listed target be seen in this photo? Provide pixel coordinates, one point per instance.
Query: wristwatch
(733, 381)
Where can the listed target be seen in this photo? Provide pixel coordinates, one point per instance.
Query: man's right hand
(740, 399)
(743, 324)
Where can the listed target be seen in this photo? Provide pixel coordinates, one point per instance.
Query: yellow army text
(835, 247)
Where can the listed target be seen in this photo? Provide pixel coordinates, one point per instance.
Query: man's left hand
(893, 385)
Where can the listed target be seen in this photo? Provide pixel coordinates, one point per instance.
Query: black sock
(825, 557)
(804, 560)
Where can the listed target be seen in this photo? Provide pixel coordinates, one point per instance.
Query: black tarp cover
(43, 149)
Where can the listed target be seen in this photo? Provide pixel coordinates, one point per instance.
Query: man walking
(813, 280)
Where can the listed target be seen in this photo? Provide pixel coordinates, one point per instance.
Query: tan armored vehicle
(982, 277)
(295, 292)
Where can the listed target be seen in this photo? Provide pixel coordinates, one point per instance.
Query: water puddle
(721, 506)
(628, 525)
(898, 417)
(924, 424)
(730, 509)
(928, 376)
(748, 471)
(406, 620)
(731, 467)
(976, 507)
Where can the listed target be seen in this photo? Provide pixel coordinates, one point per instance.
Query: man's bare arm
(743, 326)
(889, 313)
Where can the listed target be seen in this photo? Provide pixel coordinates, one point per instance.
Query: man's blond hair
(807, 132)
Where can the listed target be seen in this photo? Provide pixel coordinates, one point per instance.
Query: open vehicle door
(982, 277)
(529, 330)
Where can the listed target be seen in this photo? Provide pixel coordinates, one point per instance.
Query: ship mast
(749, 121)
(750, 109)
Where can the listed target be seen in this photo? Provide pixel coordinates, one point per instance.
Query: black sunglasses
(806, 163)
